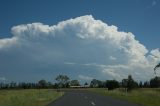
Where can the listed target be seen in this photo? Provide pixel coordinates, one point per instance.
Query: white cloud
(3, 79)
(112, 58)
(154, 3)
(156, 53)
(7, 42)
(83, 77)
(69, 63)
(85, 41)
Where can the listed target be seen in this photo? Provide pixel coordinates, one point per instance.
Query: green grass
(28, 97)
(145, 97)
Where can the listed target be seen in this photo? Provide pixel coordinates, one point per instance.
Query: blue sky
(140, 17)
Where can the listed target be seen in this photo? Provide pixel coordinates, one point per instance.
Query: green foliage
(63, 81)
(42, 83)
(142, 96)
(85, 83)
(112, 84)
(30, 97)
(96, 83)
(129, 83)
(155, 68)
(74, 83)
(155, 82)
(140, 84)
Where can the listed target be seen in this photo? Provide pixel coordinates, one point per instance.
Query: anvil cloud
(76, 43)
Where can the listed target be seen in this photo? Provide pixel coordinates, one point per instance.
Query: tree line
(63, 81)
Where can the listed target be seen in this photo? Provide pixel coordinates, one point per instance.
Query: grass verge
(143, 96)
(28, 97)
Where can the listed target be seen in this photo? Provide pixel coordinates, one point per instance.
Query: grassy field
(145, 97)
(29, 97)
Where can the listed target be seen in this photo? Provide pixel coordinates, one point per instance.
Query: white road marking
(93, 103)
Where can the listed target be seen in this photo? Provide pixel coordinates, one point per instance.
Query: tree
(129, 83)
(140, 84)
(96, 83)
(112, 84)
(155, 82)
(63, 81)
(157, 66)
(42, 83)
(56, 85)
(85, 83)
(13, 84)
(74, 83)
(146, 84)
(49, 85)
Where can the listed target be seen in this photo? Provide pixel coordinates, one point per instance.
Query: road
(84, 98)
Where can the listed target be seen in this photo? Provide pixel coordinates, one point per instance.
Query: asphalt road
(84, 98)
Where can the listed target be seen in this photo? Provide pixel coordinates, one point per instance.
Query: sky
(84, 39)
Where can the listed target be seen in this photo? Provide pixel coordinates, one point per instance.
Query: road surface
(84, 98)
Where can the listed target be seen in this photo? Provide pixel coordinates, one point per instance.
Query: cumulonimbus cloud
(83, 40)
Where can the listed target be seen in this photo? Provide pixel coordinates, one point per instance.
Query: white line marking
(93, 103)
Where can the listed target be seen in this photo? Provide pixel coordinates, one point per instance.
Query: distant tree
(4, 85)
(56, 85)
(140, 84)
(155, 82)
(49, 85)
(112, 84)
(23, 85)
(85, 83)
(129, 83)
(146, 84)
(74, 83)
(12, 84)
(1, 85)
(96, 83)
(155, 68)
(42, 83)
(62, 81)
